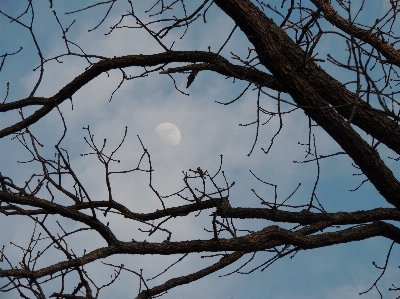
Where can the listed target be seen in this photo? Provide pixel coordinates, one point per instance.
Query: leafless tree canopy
(360, 113)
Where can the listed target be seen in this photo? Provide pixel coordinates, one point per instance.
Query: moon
(169, 133)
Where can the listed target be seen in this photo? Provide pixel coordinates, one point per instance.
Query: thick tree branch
(228, 69)
(95, 70)
(370, 120)
(182, 210)
(32, 201)
(392, 55)
(224, 210)
(310, 86)
(306, 217)
(257, 241)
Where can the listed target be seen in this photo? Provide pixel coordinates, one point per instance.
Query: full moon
(169, 133)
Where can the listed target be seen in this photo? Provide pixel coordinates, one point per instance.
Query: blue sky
(208, 130)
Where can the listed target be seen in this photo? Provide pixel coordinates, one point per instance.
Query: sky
(208, 130)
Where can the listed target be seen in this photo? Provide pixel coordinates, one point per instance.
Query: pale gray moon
(169, 133)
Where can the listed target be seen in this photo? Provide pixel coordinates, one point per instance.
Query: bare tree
(360, 113)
